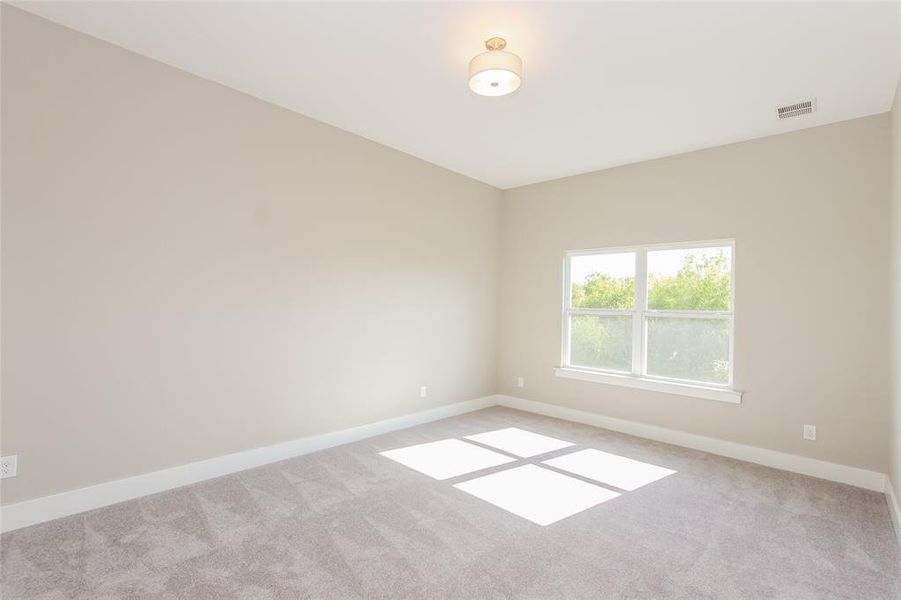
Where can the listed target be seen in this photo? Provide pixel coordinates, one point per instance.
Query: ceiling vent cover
(797, 109)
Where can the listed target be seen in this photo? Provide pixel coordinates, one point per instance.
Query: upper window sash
(641, 272)
(613, 290)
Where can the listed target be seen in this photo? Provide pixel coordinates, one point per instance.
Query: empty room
(450, 300)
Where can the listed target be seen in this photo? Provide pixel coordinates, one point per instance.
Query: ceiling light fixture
(496, 72)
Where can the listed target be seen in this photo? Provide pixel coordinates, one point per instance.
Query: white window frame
(638, 377)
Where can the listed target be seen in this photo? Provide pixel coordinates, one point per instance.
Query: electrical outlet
(8, 466)
(423, 391)
(520, 382)
(810, 432)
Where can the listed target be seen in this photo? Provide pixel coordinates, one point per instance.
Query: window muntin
(677, 327)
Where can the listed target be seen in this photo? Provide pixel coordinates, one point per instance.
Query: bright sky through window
(615, 265)
(667, 263)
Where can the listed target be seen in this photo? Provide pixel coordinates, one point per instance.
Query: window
(658, 317)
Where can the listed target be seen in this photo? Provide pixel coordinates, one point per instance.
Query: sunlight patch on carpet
(539, 495)
(446, 458)
(610, 469)
(519, 442)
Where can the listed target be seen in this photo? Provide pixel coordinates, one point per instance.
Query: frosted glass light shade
(495, 73)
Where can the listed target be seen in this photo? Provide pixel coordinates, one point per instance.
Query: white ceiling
(604, 84)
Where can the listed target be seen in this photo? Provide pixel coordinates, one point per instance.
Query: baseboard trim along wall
(47, 508)
(870, 480)
(893, 508)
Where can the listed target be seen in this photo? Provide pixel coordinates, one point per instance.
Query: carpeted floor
(350, 523)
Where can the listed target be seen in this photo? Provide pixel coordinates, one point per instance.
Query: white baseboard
(47, 508)
(870, 480)
(893, 508)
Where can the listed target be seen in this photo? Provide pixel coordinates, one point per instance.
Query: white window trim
(638, 377)
(654, 385)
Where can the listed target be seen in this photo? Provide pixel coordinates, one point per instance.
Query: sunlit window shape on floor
(519, 442)
(539, 495)
(447, 458)
(610, 469)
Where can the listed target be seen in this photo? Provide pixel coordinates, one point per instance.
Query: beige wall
(809, 214)
(189, 271)
(895, 421)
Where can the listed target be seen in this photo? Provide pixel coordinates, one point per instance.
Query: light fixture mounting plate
(496, 43)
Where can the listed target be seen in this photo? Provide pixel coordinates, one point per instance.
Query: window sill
(655, 385)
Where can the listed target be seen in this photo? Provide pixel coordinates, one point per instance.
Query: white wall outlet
(520, 382)
(9, 466)
(810, 432)
(423, 391)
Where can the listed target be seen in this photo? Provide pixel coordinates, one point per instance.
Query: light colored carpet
(349, 523)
